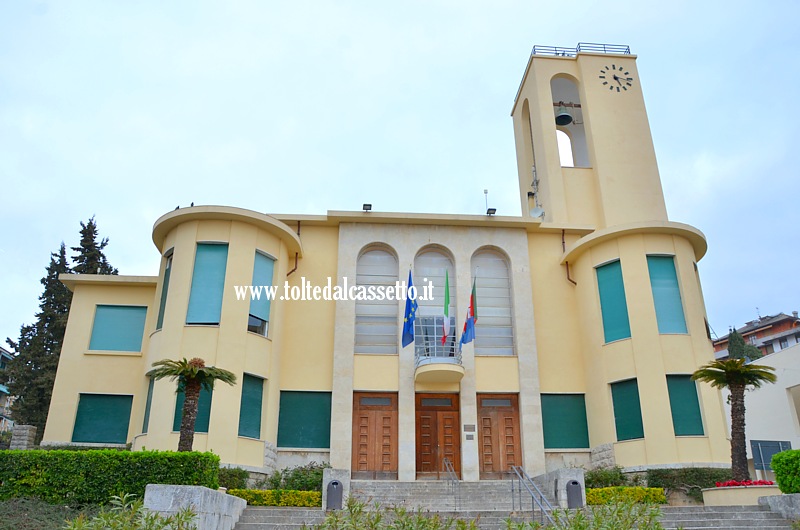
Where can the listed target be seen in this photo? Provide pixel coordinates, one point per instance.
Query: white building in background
(772, 420)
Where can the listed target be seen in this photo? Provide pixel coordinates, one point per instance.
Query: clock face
(616, 78)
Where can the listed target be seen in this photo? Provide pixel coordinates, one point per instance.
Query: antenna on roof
(758, 313)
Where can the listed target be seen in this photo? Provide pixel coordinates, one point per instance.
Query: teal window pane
(666, 294)
(102, 418)
(564, 421)
(305, 419)
(685, 405)
(147, 406)
(118, 328)
(250, 411)
(208, 284)
(164, 290)
(203, 411)
(613, 306)
(627, 410)
(262, 275)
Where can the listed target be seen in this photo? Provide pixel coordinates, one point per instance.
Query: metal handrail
(522, 479)
(453, 484)
(582, 47)
(420, 360)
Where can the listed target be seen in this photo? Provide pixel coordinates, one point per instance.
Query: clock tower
(584, 150)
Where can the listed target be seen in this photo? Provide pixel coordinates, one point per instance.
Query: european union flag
(410, 315)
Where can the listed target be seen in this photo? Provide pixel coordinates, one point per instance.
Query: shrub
(300, 478)
(619, 515)
(735, 483)
(233, 478)
(35, 514)
(606, 477)
(91, 477)
(786, 465)
(129, 514)
(622, 495)
(302, 499)
(690, 480)
(355, 515)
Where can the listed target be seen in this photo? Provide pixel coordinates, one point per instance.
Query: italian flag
(446, 321)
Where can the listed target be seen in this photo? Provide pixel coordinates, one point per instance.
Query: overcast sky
(125, 110)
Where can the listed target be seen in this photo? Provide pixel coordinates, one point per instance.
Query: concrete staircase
(490, 503)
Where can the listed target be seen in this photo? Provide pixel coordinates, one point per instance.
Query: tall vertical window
(304, 419)
(429, 323)
(376, 320)
(685, 406)
(613, 306)
(118, 328)
(666, 294)
(208, 283)
(627, 410)
(258, 319)
(495, 334)
(250, 410)
(148, 404)
(164, 290)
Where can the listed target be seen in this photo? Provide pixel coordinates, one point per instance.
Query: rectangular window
(784, 342)
(769, 348)
(304, 420)
(102, 418)
(208, 283)
(118, 328)
(164, 290)
(627, 410)
(666, 294)
(258, 321)
(203, 411)
(613, 306)
(147, 406)
(564, 421)
(428, 337)
(685, 405)
(250, 411)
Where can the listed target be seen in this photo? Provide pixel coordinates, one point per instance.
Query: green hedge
(616, 494)
(303, 499)
(690, 480)
(92, 477)
(786, 466)
(233, 478)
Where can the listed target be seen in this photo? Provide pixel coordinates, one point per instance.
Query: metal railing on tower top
(582, 47)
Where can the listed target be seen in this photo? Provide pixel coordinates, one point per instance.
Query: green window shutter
(666, 294)
(627, 410)
(118, 328)
(686, 417)
(250, 411)
(305, 420)
(262, 275)
(203, 411)
(208, 284)
(147, 406)
(164, 290)
(613, 306)
(102, 418)
(564, 421)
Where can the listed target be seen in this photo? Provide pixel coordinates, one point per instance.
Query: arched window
(494, 330)
(376, 320)
(435, 267)
(567, 103)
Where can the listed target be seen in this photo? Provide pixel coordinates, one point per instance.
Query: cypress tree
(90, 258)
(739, 349)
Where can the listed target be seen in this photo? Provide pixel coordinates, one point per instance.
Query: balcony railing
(582, 47)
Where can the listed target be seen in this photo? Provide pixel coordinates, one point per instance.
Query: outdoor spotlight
(367, 207)
(491, 211)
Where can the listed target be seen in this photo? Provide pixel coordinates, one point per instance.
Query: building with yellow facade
(590, 317)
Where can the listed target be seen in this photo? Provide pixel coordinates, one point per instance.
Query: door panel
(498, 417)
(374, 436)
(438, 434)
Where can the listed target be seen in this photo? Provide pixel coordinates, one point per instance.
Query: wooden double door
(498, 434)
(438, 434)
(374, 435)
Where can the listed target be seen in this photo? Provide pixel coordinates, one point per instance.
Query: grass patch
(34, 514)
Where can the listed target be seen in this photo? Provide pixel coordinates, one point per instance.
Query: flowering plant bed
(735, 483)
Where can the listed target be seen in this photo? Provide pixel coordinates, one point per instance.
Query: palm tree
(192, 376)
(736, 375)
